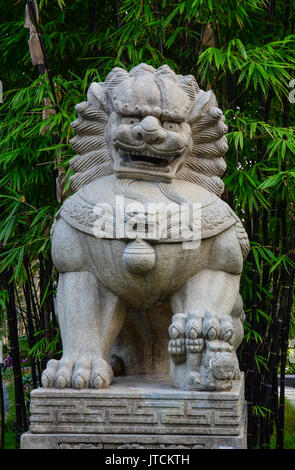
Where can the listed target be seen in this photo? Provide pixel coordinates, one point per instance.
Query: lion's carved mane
(204, 164)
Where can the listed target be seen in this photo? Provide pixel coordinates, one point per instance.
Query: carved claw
(102, 374)
(61, 382)
(64, 373)
(98, 382)
(81, 373)
(176, 329)
(211, 326)
(175, 332)
(193, 329)
(176, 345)
(45, 379)
(79, 381)
(226, 328)
(215, 328)
(194, 345)
(48, 375)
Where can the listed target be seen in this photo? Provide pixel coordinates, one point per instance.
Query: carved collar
(111, 221)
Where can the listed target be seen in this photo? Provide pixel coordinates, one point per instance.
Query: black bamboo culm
(33, 16)
(93, 23)
(30, 330)
(45, 270)
(251, 373)
(122, 55)
(284, 350)
(2, 415)
(20, 410)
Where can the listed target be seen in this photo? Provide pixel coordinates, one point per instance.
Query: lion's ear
(97, 96)
(203, 101)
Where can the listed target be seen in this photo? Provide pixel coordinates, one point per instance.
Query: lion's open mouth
(145, 158)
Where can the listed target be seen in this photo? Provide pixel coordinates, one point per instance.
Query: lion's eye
(130, 120)
(171, 126)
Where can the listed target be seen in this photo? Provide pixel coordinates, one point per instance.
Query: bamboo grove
(244, 50)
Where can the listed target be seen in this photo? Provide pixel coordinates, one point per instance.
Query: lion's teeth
(141, 158)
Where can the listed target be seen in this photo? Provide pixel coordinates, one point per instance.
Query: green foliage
(289, 442)
(79, 54)
(42, 348)
(10, 441)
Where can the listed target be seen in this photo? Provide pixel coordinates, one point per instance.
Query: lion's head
(149, 124)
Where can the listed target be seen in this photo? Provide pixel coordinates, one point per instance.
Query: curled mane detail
(204, 164)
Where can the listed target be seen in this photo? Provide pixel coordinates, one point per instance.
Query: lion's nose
(150, 124)
(149, 130)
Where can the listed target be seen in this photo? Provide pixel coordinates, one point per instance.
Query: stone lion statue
(136, 296)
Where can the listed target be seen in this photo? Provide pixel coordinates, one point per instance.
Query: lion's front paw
(85, 372)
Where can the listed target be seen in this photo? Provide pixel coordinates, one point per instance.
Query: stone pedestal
(134, 413)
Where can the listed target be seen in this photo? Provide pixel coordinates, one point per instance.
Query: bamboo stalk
(284, 349)
(265, 106)
(34, 296)
(30, 330)
(2, 415)
(20, 410)
(252, 421)
(44, 278)
(93, 22)
(122, 57)
(33, 318)
(33, 16)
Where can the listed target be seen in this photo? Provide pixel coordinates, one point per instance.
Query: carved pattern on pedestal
(82, 445)
(157, 416)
